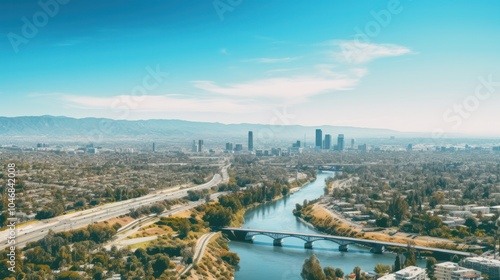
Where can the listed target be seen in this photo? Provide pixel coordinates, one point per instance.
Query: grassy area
(143, 245)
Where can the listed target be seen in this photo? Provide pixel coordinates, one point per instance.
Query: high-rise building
(409, 148)
(296, 144)
(229, 147)
(319, 139)
(362, 148)
(154, 147)
(250, 141)
(194, 147)
(328, 142)
(353, 141)
(200, 146)
(238, 147)
(340, 142)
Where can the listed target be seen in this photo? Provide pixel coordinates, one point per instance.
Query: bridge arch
(306, 239)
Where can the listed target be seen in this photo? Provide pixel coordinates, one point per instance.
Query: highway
(36, 231)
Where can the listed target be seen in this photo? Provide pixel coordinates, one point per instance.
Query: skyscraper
(154, 147)
(229, 147)
(340, 142)
(194, 147)
(250, 141)
(328, 142)
(319, 139)
(200, 146)
(353, 141)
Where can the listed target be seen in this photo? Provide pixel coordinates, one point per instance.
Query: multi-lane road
(36, 231)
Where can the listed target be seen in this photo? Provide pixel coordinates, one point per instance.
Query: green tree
(397, 263)
(437, 198)
(69, 275)
(157, 208)
(311, 270)
(230, 257)
(382, 269)
(411, 257)
(217, 216)
(472, 223)
(430, 263)
(357, 272)
(329, 273)
(159, 265)
(339, 273)
(398, 209)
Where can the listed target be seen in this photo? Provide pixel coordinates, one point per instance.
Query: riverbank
(211, 266)
(332, 223)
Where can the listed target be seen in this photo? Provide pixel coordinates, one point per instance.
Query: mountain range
(100, 129)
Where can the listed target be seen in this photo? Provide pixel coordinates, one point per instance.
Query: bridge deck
(366, 242)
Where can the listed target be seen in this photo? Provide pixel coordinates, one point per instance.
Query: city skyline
(375, 65)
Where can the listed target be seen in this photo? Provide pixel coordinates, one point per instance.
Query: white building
(442, 271)
(490, 267)
(466, 274)
(449, 207)
(462, 214)
(411, 273)
(482, 209)
(495, 209)
(391, 276)
(407, 273)
(452, 221)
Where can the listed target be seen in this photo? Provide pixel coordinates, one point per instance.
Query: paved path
(201, 246)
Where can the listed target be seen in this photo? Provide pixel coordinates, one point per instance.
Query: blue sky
(405, 65)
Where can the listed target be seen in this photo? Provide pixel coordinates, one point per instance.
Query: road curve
(199, 251)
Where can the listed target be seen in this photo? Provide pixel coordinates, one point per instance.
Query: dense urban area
(108, 212)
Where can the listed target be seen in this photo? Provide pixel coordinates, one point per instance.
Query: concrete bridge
(377, 247)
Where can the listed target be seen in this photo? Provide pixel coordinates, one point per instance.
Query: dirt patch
(152, 230)
(122, 221)
(183, 214)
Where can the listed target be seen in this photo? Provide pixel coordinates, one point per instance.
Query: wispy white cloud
(356, 52)
(158, 103)
(271, 60)
(287, 89)
(224, 51)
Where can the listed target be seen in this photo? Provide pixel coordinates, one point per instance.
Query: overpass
(377, 247)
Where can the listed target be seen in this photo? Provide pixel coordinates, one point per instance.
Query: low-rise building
(452, 221)
(449, 207)
(482, 209)
(490, 267)
(442, 271)
(466, 274)
(462, 214)
(407, 273)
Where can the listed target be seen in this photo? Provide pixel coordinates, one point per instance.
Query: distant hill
(99, 129)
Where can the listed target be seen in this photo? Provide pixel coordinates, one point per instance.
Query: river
(262, 260)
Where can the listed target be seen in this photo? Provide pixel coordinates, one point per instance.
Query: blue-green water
(262, 260)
